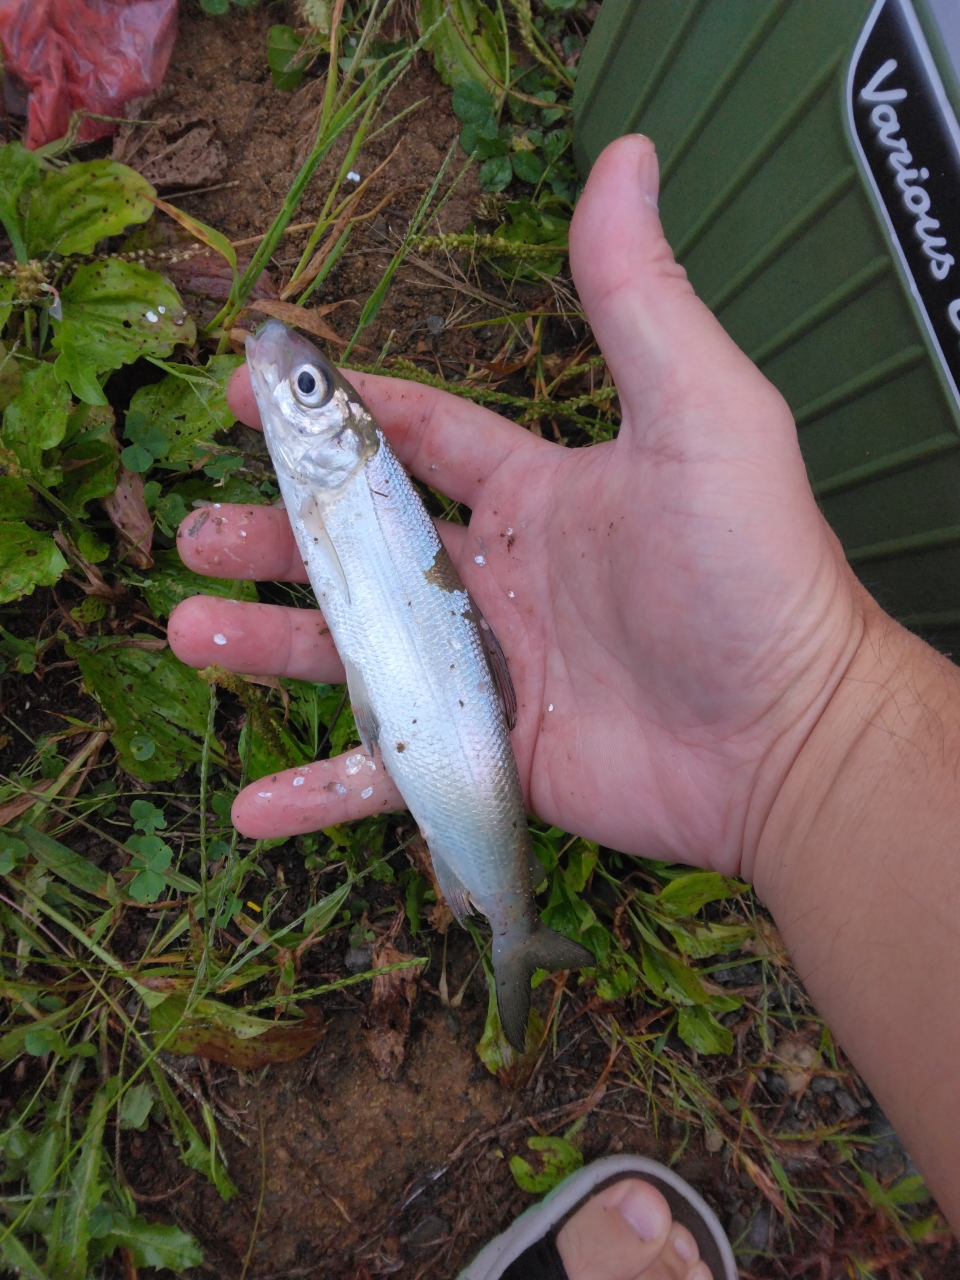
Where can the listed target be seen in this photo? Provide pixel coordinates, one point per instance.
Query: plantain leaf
(156, 705)
(20, 170)
(28, 558)
(114, 312)
(84, 203)
(465, 42)
(189, 406)
(36, 421)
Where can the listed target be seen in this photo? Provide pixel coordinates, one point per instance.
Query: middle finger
(254, 639)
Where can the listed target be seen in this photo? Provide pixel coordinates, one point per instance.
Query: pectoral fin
(322, 545)
(497, 663)
(368, 726)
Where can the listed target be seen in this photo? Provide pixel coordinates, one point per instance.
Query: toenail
(645, 1212)
(685, 1247)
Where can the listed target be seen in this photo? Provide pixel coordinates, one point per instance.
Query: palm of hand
(674, 610)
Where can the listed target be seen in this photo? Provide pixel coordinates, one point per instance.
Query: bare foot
(625, 1232)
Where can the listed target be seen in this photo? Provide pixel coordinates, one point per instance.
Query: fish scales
(416, 651)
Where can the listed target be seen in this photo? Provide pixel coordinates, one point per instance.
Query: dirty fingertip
(241, 400)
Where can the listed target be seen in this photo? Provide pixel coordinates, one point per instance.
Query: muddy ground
(342, 1174)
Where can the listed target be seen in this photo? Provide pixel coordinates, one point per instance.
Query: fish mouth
(269, 352)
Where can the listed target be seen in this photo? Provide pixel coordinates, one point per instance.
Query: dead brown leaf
(308, 318)
(439, 915)
(172, 150)
(128, 514)
(391, 1002)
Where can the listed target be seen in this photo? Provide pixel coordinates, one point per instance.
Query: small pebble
(435, 323)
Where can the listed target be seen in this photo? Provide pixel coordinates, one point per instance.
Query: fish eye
(311, 386)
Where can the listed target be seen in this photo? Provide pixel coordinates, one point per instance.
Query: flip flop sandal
(526, 1250)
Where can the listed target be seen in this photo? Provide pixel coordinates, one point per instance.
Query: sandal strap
(541, 1261)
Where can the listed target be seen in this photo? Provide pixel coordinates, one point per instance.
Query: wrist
(893, 716)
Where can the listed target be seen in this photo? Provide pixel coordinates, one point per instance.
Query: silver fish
(428, 681)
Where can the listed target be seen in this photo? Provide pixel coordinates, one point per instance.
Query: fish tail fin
(514, 965)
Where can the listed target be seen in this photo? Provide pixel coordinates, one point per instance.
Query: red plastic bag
(91, 54)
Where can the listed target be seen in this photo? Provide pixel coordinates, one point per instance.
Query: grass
(136, 926)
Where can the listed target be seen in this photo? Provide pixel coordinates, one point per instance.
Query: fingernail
(685, 1247)
(645, 1210)
(650, 178)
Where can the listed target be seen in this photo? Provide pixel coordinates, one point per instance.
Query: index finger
(446, 441)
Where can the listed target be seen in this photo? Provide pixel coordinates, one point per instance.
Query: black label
(909, 139)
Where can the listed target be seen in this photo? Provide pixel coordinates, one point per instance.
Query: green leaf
(36, 421)
(89, 471)
(688, 893)
(64, 863)
(84, 203)
(283, 48)
(91, 548)
(152, 1244)
(194, 1152)
(69, 1258)
(190, 407)
(463, 41)
(473, 103)
(135, 1107)
(147, 817)
(136, 458)
(146, 886)
(156, 704)
(527, 165)
(558, 1159)
(496, 173)
(218, 1031)
(27, 559)
(20, 170)
(170, 581)
(10, 366)
(698, 1028)
(19, 1258)
(113, 313)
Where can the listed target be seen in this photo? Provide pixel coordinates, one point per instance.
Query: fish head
(317, 428)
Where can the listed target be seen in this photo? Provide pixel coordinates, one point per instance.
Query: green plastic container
(810, 184)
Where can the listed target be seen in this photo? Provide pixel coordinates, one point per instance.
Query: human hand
(674, 609)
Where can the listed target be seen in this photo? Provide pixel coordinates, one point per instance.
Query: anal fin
(452, 888)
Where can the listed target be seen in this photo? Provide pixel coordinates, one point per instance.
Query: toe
(617, 1235)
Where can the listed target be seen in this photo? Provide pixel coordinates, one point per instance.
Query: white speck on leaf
(162, 310)
(219, 638)
(366, 793)
(152, 317)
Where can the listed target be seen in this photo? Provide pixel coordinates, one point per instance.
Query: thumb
(659, 339)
